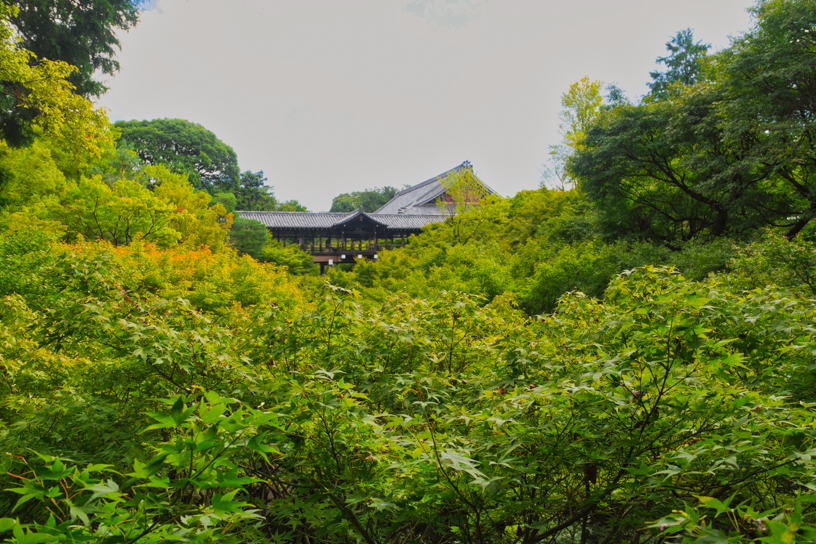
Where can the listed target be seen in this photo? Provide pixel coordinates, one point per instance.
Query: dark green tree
(184, 147)
(254, 194)
(661, 171)
(682, 64)
(248, 236)
(770, 79)
(79, 32)
(370, 199)
(721, 158)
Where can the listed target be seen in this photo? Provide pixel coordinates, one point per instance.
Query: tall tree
(185, 148)
(582, 103)
(662, 171)
(770, 79)
(79, 32)
(248, 236)
(682, 65)
(254, 194)
(37, 101)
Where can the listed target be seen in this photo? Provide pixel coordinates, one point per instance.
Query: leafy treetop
(81, 33)
(371, 200)
(683, 64)
(185, 148)
(37, 100)
(582, 103)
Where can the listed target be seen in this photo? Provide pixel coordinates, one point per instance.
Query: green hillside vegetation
(536, 246)
(370, 200)
(625, 356)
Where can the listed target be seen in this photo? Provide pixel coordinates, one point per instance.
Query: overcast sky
(333, 96)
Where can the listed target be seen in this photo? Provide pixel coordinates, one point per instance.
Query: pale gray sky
(333, 96)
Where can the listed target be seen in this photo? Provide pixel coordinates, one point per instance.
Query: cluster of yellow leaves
(125, 212)
(193, 218)
(31, 175)
(122, 212)
(61, 115)
(221, 282)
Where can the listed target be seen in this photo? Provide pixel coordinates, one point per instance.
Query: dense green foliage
(723, 156)
(81, 33)
(185, 148)
(370, 200)
(537, 246)
(37, 100)
(625, 361)
(419, 420)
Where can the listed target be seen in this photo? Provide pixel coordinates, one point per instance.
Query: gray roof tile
(295, 219)
(418, 200)
(411, 208)
(325, 221)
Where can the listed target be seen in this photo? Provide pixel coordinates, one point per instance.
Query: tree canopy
(81, 33)
(185, 148)
(38, 99)
(371, 200)
(721, 154)
(248, 236)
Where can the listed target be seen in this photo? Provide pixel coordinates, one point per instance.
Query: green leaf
(164, 421)
(710, 502)
(5, 464)
(80, 512)
(177, 412)
(103, 489)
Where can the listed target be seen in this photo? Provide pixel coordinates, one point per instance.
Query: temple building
(334, 238)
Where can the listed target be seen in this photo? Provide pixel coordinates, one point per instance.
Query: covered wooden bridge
(334, 238)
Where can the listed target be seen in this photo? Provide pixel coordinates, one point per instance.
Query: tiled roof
(419, 199)
(354, 215)
(295, 219)
(403, 221)
(411, 208)
(305, 220)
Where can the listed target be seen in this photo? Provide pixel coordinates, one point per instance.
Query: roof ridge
(410, 197)
(465, 164)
